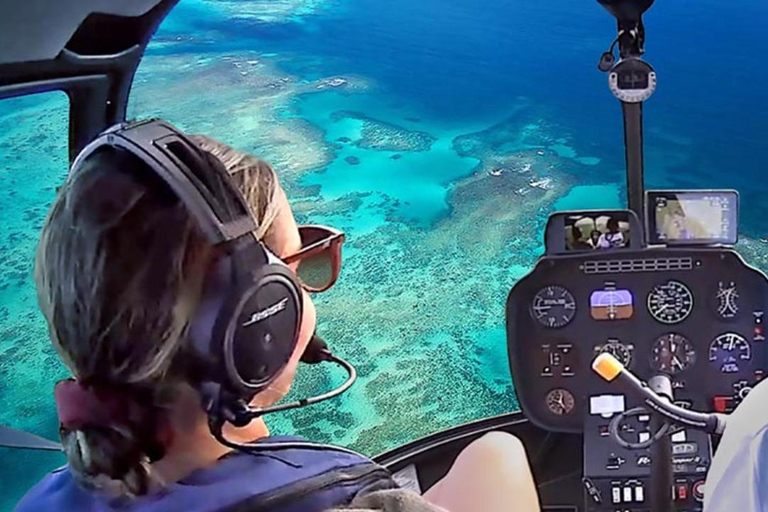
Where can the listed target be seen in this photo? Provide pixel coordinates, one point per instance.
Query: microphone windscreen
(316, 351)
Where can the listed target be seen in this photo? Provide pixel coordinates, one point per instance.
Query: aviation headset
(246, 326)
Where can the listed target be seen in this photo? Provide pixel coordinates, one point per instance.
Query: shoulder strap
(359, 479)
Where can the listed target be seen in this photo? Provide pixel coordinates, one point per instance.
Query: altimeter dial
(672, 353)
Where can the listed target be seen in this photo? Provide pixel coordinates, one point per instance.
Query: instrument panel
(695, 314)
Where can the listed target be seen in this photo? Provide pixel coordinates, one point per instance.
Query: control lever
(661, 451)
(609, 368)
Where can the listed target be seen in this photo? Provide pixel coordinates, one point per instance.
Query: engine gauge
(553, 306)
(728, 350)
(670, 302)
(727, 300)
(560, 402)
(618, 350)
(672, 353)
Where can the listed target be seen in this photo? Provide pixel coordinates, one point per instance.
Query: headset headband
(205, 188)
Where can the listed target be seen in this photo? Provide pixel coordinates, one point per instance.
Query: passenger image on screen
(605, 232)
(594, 237)
(613, 238)
(578, 243)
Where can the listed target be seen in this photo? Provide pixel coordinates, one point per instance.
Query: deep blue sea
(428, 97)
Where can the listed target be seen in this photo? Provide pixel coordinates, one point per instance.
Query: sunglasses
(319, 260)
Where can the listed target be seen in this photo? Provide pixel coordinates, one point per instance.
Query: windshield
(33, 161)
(439, 136)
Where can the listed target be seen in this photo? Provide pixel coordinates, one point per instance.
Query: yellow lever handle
(607, 366)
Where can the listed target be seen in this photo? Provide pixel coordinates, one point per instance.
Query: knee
(499, 442)
(496, 446)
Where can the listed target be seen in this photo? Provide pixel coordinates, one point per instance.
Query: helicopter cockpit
(629, 342)
(657, 288)
(658, 291)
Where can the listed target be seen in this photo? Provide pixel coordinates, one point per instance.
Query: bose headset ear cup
(246, 326)
(263, 326)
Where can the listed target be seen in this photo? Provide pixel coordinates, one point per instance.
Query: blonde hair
(254, 177)
(119, 272)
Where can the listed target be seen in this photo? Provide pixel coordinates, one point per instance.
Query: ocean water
(432, 96)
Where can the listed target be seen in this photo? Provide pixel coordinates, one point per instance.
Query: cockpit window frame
(98, 85)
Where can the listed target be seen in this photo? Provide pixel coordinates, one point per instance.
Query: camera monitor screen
(693, 217)
(598, 232)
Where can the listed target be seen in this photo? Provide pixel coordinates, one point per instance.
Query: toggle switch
(679, 437)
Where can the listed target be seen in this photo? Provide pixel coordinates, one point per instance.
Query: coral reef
(383, 136)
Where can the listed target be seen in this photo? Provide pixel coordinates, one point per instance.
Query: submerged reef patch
(249, 110)
(423, 310)
(384, 136)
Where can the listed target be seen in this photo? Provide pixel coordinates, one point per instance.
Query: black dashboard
(696, 314)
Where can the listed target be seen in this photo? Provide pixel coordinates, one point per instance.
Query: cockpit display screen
(597, 232)
(693, 217)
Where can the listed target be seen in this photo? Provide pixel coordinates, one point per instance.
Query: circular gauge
(741, 389)
(672, 353)
(727, 300)
(560, 402)
(728, 350)
(553, 306)
(618, 350)
(670, 302)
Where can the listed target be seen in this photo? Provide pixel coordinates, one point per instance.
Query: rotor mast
(632, 81)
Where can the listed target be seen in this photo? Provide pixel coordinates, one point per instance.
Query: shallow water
(436, 94)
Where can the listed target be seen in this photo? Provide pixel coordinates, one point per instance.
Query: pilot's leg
(491, 474)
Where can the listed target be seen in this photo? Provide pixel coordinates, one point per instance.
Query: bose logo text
(266, 313)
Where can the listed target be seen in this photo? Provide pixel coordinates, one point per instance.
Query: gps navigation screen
(706, 217)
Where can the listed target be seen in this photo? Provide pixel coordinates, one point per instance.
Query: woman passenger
(119, 272)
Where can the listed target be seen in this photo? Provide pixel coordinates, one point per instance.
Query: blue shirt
(234, 479)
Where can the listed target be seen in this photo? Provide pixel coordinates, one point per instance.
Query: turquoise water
(606, 196)
(384, 119)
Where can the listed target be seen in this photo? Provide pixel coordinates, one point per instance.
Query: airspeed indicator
(670, 302)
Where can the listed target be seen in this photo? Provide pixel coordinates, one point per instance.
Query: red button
(722, 403)
(682, 492)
